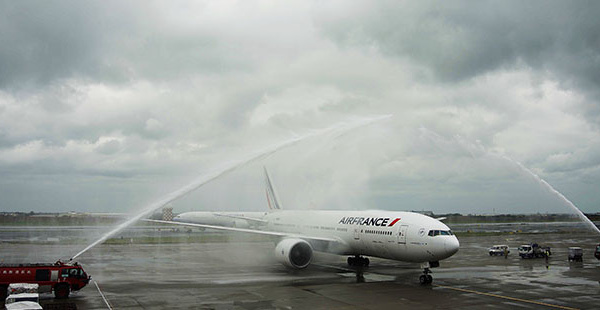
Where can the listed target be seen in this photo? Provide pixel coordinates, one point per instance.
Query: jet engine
(294, 253)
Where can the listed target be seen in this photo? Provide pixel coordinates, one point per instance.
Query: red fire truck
(62, 278)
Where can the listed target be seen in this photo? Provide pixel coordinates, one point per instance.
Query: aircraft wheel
(61, 291)
(366, 262)
(429, 279)
(423, 279)
(3, 292)
(351, 261)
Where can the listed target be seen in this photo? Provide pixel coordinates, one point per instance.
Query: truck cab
(534, 251)
(75, 276)
(525, 250)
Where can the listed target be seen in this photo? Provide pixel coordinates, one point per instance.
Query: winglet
(272, 199)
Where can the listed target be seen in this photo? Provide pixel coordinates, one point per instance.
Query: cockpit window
(433, 233)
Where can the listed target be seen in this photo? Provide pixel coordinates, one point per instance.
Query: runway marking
(471, 291)
(103, 297)
(505, 297)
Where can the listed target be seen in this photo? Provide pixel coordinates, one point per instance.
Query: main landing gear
(425, 278)
(358, 261)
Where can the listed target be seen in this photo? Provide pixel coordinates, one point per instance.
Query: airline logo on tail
(270, 191)
(368, 221)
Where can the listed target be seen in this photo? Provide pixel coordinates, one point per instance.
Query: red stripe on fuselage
(393, 222)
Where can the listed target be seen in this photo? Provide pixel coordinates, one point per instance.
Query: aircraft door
(402, 234)
(356, 234)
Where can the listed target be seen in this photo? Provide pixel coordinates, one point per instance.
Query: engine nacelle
(294, 253)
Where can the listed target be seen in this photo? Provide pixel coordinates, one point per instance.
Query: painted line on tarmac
(505, 297)
(103, 297)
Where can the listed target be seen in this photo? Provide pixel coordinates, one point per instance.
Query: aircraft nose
(451, 245)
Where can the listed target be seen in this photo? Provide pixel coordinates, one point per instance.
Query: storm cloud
(104, 105)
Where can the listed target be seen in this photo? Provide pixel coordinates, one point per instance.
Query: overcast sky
(107, 105)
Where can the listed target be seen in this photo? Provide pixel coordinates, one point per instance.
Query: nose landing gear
(425, 278)
(358, 261)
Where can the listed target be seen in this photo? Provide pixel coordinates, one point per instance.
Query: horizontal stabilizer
(240, 217)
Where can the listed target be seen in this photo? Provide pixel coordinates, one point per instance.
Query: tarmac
(245, 275)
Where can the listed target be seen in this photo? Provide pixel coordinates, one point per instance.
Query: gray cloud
(106, 41)
(48, 41)
(462, 40)
(148, 95)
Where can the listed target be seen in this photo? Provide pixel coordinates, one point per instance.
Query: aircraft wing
(250, 219)
(335, 241)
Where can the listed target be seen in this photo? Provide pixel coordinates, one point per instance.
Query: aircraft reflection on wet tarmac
(245, 276)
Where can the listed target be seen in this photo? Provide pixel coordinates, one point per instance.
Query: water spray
(228, 167)
(549, 187)
(472, 148)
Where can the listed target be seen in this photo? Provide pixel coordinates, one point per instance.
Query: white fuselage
(404, 236)
(227, 219)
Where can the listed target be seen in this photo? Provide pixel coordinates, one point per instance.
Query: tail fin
(272, 199)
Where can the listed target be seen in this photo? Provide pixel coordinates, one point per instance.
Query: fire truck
(62, 278)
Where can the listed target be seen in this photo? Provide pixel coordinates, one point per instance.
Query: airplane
(395, 235)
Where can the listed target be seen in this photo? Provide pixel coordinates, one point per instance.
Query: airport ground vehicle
(23, 296)
(62, 278)
(575, 254)
(499, 250)
(534, 251)
(23, 301)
